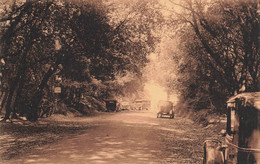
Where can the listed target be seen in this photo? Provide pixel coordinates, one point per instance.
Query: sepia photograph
(129, 81)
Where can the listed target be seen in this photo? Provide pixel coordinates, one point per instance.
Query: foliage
(220, 56)
(138, 24)
(75, 40)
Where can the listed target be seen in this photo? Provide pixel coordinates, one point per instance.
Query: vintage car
(142, 104)
(111, 105)
(125, 105)
(242, 135)
(165, 108)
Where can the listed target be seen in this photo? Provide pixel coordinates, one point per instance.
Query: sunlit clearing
(155, 93)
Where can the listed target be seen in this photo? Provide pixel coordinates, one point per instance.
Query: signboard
(57, 90)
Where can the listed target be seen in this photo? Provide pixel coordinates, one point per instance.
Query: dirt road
(126, 137)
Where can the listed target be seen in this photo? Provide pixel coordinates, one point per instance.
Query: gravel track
(124, 137)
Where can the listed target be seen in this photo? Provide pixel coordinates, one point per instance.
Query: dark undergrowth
(211, 120)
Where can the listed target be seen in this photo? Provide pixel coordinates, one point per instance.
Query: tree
(38, 25)
(137, 24)
(223, 39)
(75, 40)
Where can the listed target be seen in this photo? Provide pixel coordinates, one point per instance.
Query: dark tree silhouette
(42, 39)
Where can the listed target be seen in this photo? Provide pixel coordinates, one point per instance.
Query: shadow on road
(125, 137)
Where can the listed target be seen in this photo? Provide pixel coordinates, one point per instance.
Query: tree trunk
(3, 102)
(18, 95)
(39, 94)
(2, 98)
(8, 109)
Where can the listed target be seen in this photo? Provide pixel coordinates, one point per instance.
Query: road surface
(126, 137)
